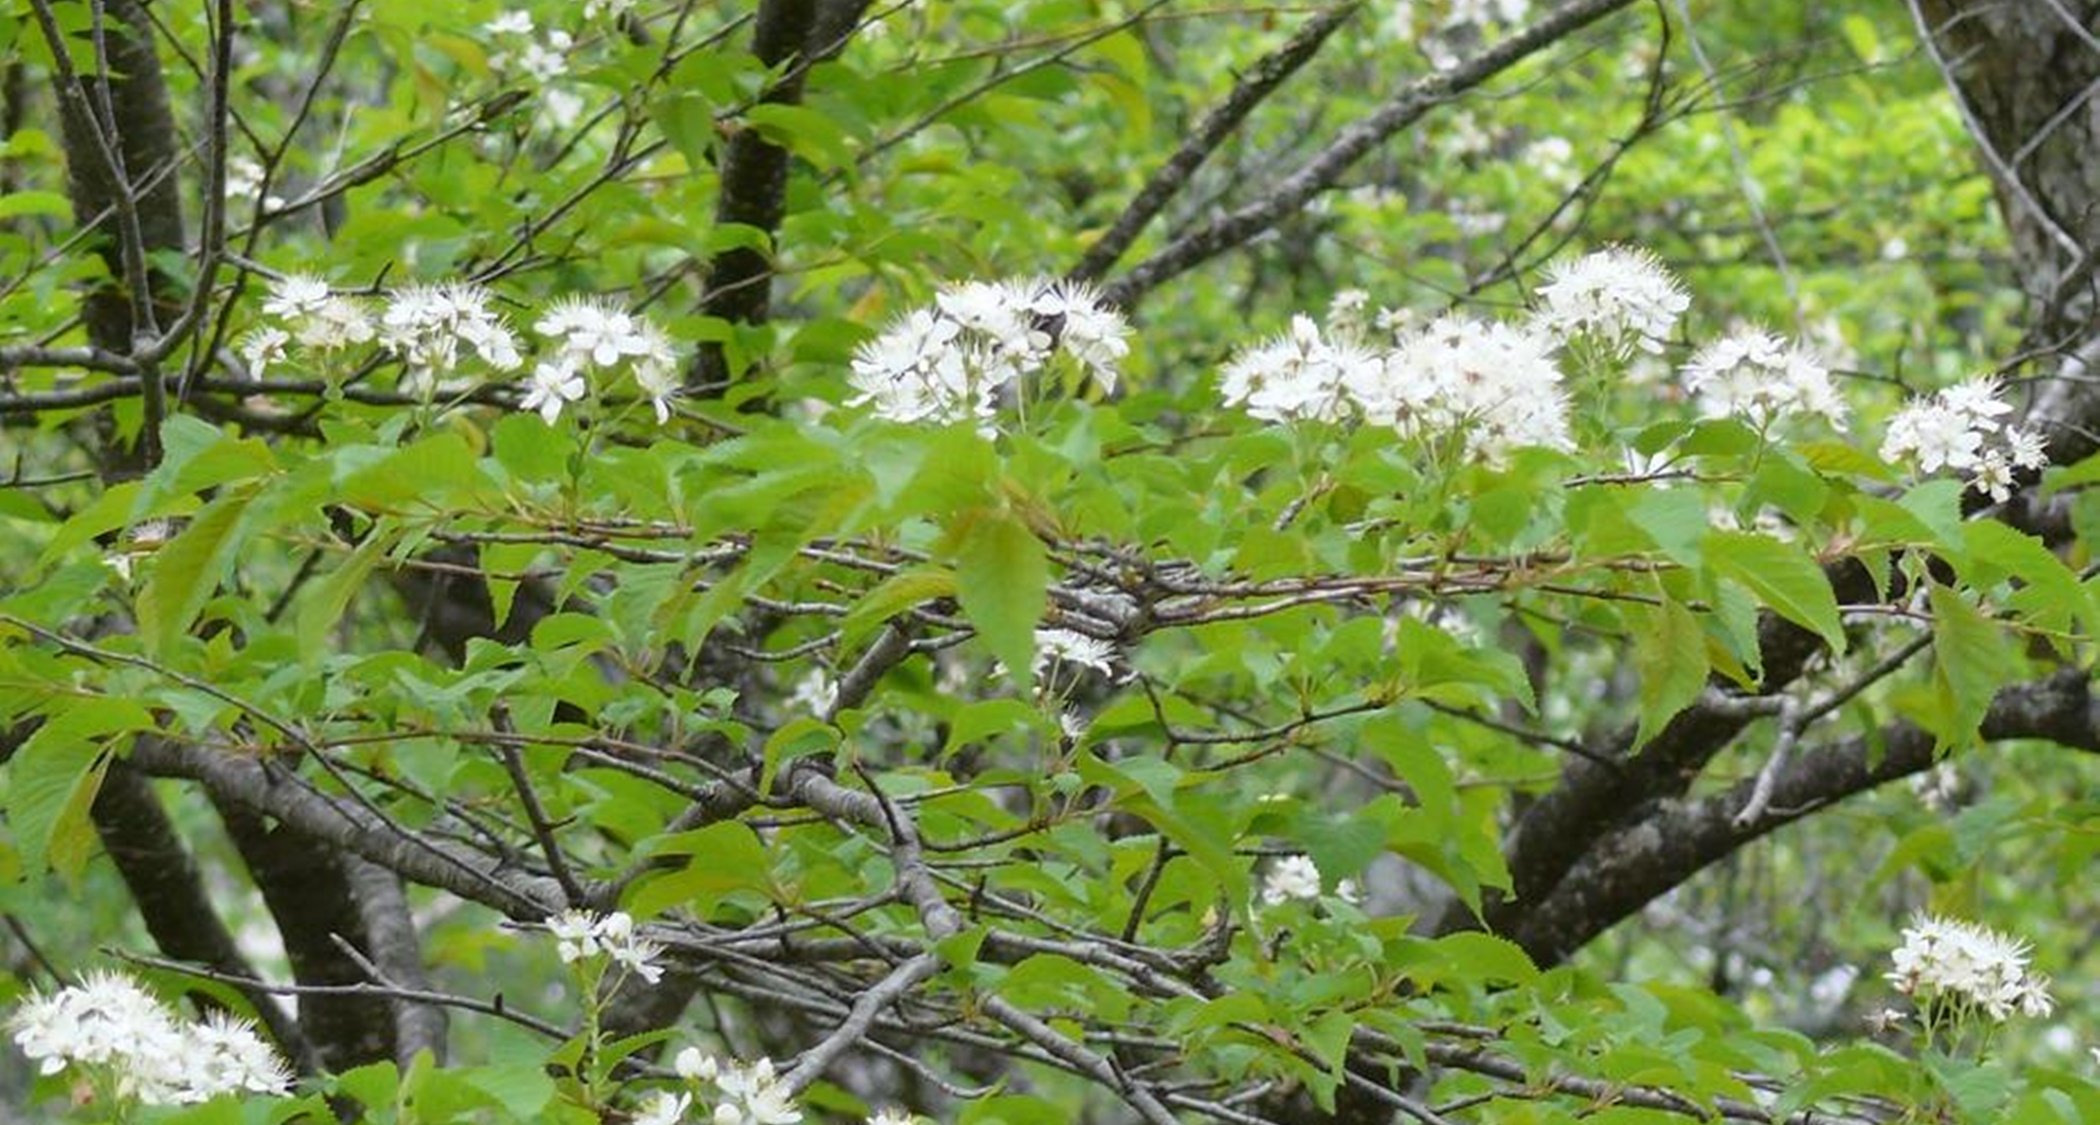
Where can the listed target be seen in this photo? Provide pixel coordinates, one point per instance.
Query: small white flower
(596, 330)
(1622, 296)
(554, 385)
(262, 349)
(1993, 476)
(1763, 379)
(695, 1065)
(1067, 647)
(1291, 877)
(1094, 333)
(510, 23)
(661, 1107)
(295, 295)
(814, 693)
(575, 934)
(1942, 958)
(1298, 375)
(893, 1117)
(2027, 449)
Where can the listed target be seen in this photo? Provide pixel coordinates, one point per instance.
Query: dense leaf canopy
(1048, 561)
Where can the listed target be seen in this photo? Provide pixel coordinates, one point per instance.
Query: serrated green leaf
(1669, 652)
(188, 570)
(1001, 576)
(1783, 576)
(53, 779)
(1970, 661)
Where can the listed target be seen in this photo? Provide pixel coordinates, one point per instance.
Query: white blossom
(1067, 647)
(1493, 383)
(575, 935)
(595, 330)
(1087, 328)
(428, 326)
(949, 361)
(920, 370)
(554, 385)
(244, 180)
(1756, 376)
(1624, 297)
(109, 1022)
(893, 1117)
(226, 1054)
(1298, 375)
(509, 23)
(1293, 876)
(295, 295)
(263, 349)
(661, 1107)
(695, 1065)
(752, 1094)
(1959, 428)
(1948, 959)
(814, 693)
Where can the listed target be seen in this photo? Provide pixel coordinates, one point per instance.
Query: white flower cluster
(1959, 428)
(1063, 646)
(429, 327)
(315, 316)
(595, 334)
(1620, 296)
(1299, 375)
(1494, 383)
(1971, 965)
(244, 179)
(109, 1022)
(433, 328)
(580, 935)
(948, 362)
(1298, 877)
(747, 1093)
(542, 60)
(1761, 378)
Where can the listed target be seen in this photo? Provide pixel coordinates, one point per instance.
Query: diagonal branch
(1319, 174)
(1260, 81)
(1624, 871)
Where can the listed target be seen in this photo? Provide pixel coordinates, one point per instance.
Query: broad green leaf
(1002, 573)
(53, 779)
(1669, 652)
(1970, 661)
(187, 571)
(893, 596)
(1783, 576)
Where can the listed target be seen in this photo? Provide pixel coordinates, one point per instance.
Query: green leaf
(803, 131)
(1002, 574)
(1669, 651)
(800, 738)
(1970, 661)
(1782, 576)
(323, 606)
(1675, 518)
(188, 570)
(896, 594)
(54, 777)
(725, 857)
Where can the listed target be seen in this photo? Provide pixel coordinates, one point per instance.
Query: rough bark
(1626, 870)
(310, 896)
(754, 176)
(2028, 79)
(165, 885)
(149, 145)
